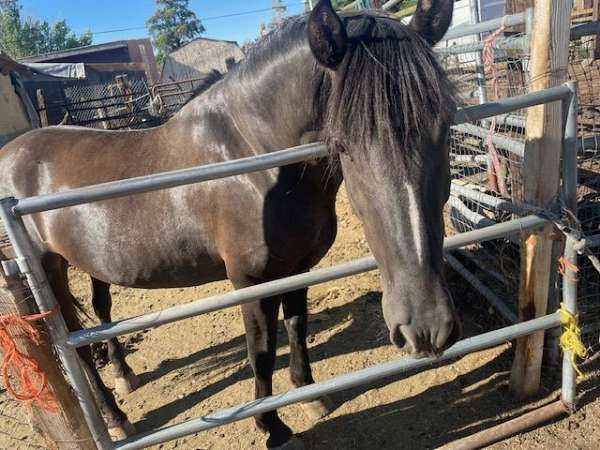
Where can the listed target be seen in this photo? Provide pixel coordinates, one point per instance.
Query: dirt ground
(199, 365)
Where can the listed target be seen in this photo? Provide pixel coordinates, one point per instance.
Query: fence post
(62, 430)
(42, 110)
(569, 279)
(57, 328)
(541, 169)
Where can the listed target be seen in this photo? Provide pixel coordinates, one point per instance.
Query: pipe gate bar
(149, 183)
(340, 383)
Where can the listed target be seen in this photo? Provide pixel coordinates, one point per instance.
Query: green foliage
(31, 36)
(172, 26)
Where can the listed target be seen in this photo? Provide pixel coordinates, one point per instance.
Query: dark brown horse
(364, 83)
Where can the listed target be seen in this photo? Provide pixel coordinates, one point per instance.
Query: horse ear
(327, 35)
(432, 19)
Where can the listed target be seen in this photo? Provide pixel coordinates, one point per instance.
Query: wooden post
(42, 111)
(102, 115)
(541, 175)
(595, 18)
(65, 429)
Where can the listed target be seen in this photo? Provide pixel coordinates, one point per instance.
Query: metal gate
(28, 263)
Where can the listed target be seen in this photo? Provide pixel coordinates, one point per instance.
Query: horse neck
(270, 109)
(271, 105)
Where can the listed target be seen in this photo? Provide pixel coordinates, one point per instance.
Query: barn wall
(200, 57)
(491, 9)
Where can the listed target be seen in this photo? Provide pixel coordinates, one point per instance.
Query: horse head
(389, 109)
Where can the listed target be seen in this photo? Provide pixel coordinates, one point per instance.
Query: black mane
(390, 86)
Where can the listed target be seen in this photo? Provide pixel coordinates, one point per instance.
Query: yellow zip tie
(570, 339)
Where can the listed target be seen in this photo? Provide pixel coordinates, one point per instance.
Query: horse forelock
(390, 89)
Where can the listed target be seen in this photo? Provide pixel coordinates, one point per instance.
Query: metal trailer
(27, 262)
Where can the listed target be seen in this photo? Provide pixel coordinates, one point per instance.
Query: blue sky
(103, 15)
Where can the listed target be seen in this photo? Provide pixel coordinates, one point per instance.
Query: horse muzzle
(420, 342)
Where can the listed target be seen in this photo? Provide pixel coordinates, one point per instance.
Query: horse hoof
(295, 443)
(122, 431)
(127, 384)
(319, 408)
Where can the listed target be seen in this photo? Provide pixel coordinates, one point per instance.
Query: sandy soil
(199, 365)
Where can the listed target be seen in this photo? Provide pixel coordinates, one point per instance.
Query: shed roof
(76, 51)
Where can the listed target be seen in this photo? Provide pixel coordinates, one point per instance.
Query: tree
(172, 26)
(31, 36)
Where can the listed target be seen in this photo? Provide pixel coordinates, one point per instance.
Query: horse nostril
(397, 338)
(455, 335)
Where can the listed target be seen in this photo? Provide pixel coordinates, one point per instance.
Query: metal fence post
(44, 297)
(569, 377)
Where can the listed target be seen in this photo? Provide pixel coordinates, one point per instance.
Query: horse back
(261, 224)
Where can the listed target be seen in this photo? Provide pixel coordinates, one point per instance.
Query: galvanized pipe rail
(340, 383)
(510, 20)
(148, 183)
(512, 145)
(12, 210)
(520, 43)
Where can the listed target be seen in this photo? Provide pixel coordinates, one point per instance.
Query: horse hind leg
(118, 425)
(126, 381)
(295, 319)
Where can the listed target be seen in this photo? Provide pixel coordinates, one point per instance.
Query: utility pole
(279, 10)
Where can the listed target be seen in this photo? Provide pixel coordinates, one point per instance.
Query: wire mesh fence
(486, 163)
(125, 102)
(486, 157)
(584, 67)
(122, 102)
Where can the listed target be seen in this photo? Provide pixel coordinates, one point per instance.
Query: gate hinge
(17, 266)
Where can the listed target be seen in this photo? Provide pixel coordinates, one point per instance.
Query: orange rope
(32, 379)
(488, 61)
(563, 265)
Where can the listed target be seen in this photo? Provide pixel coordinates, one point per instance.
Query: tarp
(60, 70)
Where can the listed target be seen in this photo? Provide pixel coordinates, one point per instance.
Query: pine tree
(172, 26)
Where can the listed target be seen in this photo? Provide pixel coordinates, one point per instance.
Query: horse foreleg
(125, 379)
(260, 320)
(118, 425)
(295, 315)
